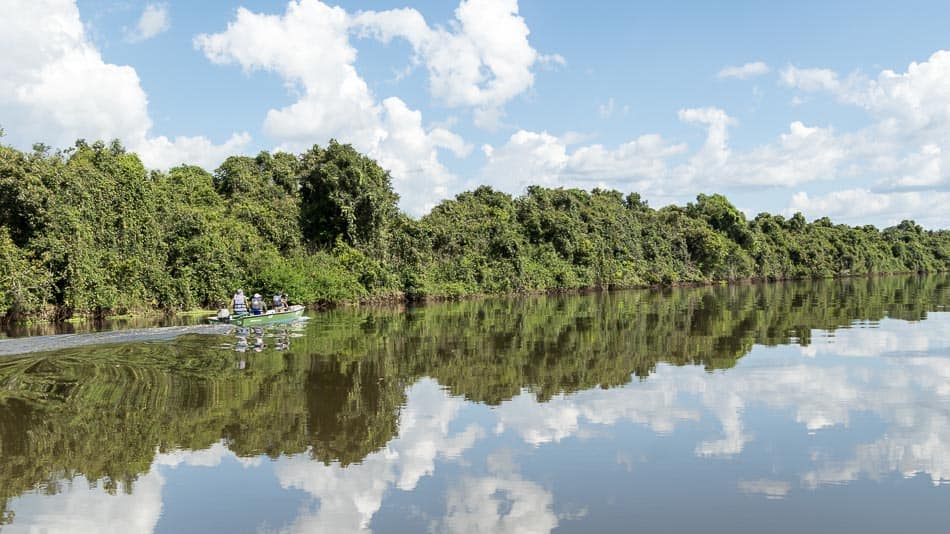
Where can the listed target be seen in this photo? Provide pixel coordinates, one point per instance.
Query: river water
(794, 407)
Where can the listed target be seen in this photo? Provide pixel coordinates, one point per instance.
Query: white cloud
(540, 158)
(646, 164)
(164, 153)
(743, 72)
(912, 114)
(55, 88)
(903, 154)
(309, 47)
(855, 205)
(810, 79)
(608, 109)
(801, 155)
(919, 99)
(914, 103)
(715, 151)
(921, 170)
(154, 20)
(552, 61)
(482, 61)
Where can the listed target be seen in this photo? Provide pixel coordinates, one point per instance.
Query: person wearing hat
(257, 304)
(239, 302)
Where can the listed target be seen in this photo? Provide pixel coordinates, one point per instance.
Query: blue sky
(828, 117)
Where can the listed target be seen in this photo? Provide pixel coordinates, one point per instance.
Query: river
(817, 406)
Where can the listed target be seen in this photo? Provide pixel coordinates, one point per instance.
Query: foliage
(87, 230)
(345, 195)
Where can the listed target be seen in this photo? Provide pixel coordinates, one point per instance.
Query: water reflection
(259, 338)
(504, 415)
(81, 325)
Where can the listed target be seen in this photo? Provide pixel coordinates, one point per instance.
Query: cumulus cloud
(855, 205)
(544, 159)
(904, 151)
(715, 151)
(650, 163)
(744, 72)
(481, 61)
(915, 103)
(902, 155)
(154, 20)
(309, 47)
(55, 87)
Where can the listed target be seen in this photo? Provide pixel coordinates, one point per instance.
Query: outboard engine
(224, 315)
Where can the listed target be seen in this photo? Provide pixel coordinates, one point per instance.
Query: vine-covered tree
(89, 230)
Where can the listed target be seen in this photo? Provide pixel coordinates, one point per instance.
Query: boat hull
(270, 317)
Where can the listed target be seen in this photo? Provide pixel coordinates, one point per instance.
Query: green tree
(346, 195)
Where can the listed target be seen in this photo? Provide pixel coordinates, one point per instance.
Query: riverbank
(160, 318)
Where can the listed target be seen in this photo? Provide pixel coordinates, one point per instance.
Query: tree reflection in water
(340, 391)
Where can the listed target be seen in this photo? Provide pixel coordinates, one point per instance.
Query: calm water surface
(805, 407)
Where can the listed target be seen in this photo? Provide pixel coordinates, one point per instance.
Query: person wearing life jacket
(239, 303)
(278, 302)
(257, 304)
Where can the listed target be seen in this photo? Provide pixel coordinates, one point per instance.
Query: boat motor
(224, 315)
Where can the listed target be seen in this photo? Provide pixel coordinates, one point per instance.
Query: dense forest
(337, 392)
(89, 230)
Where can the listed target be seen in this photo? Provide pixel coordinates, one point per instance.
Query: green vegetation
(337, 391)
(89, 231)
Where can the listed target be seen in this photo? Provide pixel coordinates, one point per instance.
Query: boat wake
(23, 345)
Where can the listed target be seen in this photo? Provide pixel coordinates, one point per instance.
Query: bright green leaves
(346, 195)
(88, 230)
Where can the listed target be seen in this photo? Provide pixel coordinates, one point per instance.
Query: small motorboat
(283, 315)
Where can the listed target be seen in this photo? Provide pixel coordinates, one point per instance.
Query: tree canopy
(89, 230)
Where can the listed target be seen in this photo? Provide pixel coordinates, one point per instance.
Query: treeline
(89, 230)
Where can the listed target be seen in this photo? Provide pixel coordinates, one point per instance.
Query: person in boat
(257, 304)
(239, 303)
(278, 302)
(283, 301)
